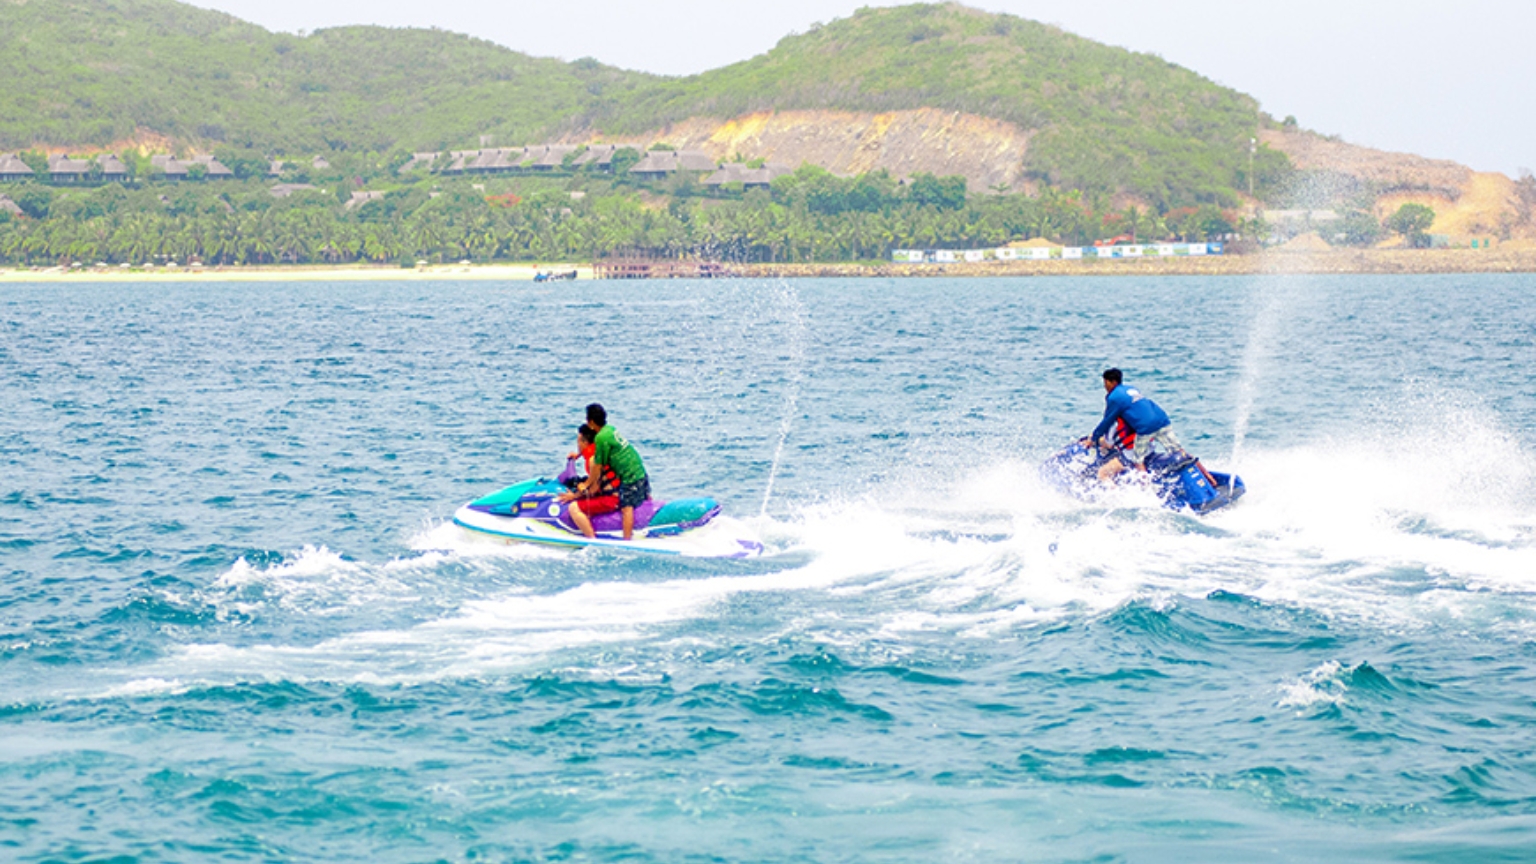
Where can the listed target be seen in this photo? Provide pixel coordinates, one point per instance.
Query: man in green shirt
(613, 451)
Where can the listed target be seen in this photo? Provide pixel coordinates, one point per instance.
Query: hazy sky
(1444, 79)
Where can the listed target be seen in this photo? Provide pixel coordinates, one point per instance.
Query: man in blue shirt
(1148, 422)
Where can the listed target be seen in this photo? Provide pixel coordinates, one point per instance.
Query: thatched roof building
(659, 163)
(419, 161)
(360, 198)
(283, 190)
(214, 167)
(749, 178)
(112, 168)
(170, 166)
(62, 169)
(12, 168)
(553, 157)
(599, 156)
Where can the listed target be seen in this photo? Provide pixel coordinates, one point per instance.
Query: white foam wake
(1418, 525)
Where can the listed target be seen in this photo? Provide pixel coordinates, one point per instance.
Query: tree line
(810, 215)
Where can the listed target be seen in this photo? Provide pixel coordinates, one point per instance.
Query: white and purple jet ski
(1179, 479)
(530, 512)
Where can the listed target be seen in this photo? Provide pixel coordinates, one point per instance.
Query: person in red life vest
(596, 495)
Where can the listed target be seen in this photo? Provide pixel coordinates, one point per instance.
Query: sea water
(236, 623)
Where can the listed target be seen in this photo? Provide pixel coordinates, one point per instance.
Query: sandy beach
(296, 273)
(1507, 259)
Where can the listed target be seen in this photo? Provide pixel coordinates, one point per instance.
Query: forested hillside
(1105, 118)
(94, 72)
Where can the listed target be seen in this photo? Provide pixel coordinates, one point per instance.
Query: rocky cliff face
(988, 153)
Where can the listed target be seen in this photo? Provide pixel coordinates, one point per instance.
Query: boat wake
(1443, 537)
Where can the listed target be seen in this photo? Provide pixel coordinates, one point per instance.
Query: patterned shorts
(636, 493)
(1163, 437)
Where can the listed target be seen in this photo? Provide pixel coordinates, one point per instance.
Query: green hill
(91, 72)
(1106, 118)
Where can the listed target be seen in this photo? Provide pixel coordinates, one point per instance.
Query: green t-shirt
(613, 450)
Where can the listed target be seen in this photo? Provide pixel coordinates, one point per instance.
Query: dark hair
(1113, 376)
(585, 433)
(596, 415)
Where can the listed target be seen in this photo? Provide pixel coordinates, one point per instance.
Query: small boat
(552, 276)
(1178, 479)
(531, 512)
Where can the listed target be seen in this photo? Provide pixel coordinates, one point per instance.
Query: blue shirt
(1139, 412)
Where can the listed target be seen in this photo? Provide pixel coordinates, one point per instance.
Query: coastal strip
(299, 273)
(1392, 262)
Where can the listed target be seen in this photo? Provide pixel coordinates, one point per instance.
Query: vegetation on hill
(91, 72)
(1106, 118)
(809, 215)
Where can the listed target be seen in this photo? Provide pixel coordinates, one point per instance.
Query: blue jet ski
(530, 512)
(1179, 479)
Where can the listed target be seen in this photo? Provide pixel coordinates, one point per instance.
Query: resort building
(62, 169)
(170, 166)
(180, 169)
(553, 157)
(419, 162)
(360, 198)
(599, 156)
(283, 190)
(659, 164)
(12, 168)
(112, 168)
(549, 158)
(749, 178)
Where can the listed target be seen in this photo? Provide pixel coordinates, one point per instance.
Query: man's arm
(1112, 410)
(584, 489)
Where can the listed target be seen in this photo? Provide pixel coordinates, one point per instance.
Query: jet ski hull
(530, 512)
(1179, 480)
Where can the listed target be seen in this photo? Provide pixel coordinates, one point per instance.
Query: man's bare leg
(628, 515)
(1109, 469)
(583, 522)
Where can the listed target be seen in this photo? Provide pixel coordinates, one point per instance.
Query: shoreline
(298, 273)
(1395, 262)
(1334, 261)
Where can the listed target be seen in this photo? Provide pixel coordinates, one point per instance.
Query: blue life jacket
(1139, 412)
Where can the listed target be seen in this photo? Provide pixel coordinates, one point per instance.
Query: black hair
(596, 415)
(585, 433)
(1113, 376)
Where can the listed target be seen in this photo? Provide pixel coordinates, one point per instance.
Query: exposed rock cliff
(988, 153)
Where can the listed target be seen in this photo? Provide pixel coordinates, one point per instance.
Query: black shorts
(636, 493)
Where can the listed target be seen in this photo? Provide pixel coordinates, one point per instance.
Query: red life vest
(607, 482)
(1125, 439)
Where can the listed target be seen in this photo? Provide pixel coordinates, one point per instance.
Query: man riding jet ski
(1143, 440)
(1140, 421)
(610, 506)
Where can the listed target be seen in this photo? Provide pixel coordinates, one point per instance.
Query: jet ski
(1179, 479)
(531, 512)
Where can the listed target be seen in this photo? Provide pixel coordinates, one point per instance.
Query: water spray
(1261, 337)
(795, 315)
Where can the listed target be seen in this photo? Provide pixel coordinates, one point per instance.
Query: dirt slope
(988, 153)
(1466, 203)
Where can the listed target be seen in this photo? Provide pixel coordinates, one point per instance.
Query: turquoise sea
(237, 625)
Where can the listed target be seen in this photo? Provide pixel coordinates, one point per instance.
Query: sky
(1448, 79)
